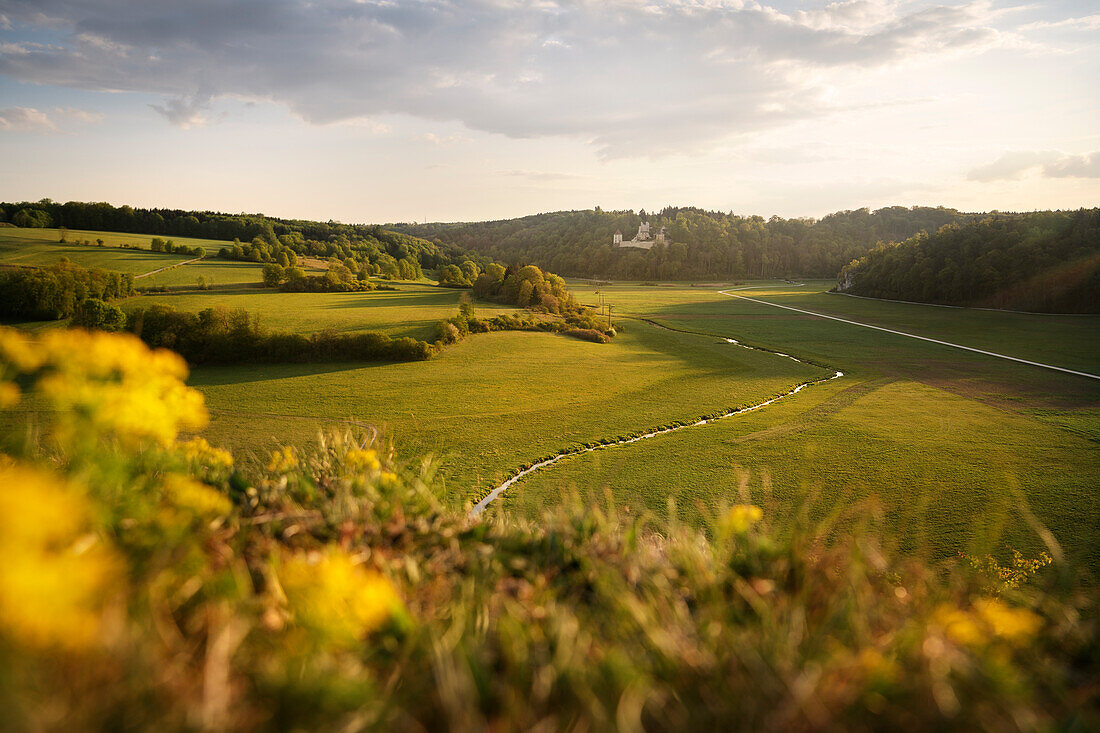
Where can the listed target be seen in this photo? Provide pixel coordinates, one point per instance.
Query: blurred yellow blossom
(54, 572)
(1016, 625)
(9, 394)
(362, 460)
(16, 350)
(202, 500)
(197, 450)
(108, 384)
(741, 517)
(989, 620)
(283, 460)
(335, 598)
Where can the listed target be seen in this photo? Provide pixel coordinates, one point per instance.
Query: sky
(375, 111)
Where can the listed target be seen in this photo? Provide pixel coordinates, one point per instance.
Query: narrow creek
(495, 493)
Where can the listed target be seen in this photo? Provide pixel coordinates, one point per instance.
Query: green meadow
(499, 400)
(962, 452)
(413, 309)
(34, 253)
(959, 451)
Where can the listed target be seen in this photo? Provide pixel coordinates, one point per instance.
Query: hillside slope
(704, 244)
(1045, 261)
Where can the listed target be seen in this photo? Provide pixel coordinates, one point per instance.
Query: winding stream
(495, 493)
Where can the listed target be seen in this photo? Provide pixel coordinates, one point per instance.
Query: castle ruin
(643, 239)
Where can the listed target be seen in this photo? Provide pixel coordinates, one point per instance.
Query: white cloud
(1048, 163)
(632, 78)
(29, 119)
(185, 112)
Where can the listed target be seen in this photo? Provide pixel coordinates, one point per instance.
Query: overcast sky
(413, 110)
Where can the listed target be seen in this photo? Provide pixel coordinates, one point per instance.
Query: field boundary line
(956, 307)
(169, 267)
(730, 294)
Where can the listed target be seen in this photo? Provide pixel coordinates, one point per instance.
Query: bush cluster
(581, 325)
(338, 279)
(149, 583)
(223, 336)
(55, 292)
(161, 245)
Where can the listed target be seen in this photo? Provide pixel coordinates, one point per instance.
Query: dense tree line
(526, 287)
(51, 293)
(266, 237)
(1044, 261)
(225, 336)
(161, 245)
(704, 244)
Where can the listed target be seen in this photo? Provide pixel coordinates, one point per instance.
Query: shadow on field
(208, 376)
(997, 382)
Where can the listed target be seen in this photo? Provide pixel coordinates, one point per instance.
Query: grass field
(498, 400)
(40, 247)
(15, 251)
(952, 444)
(411, 310)
(29, 236)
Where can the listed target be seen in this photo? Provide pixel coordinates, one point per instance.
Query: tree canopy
(1046, 261)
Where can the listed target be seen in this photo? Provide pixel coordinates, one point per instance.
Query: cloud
(1049, 163)
(630, 77)
(185, 112)
(29, 119)
(1084, 23)
(541, 176)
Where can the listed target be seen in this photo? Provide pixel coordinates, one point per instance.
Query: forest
(253, 237)
(1046, 261)
(52, 293)
(703, 244)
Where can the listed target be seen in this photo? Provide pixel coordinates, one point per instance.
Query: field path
(169, 267)
(731, 294)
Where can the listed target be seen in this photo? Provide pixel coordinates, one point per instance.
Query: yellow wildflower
(9, 394)
(197, 450)
(362, 460)
(989, 620)
(108, 384)
(196, 497)
(283, 460)
(335, 598)
(16, 350)
(55, 573)
(740, 518)
(958, 625)
(1015, 625)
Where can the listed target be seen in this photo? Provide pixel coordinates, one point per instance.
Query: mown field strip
(913, 336)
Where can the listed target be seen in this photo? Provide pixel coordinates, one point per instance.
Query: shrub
(94, 313)
(589, 334)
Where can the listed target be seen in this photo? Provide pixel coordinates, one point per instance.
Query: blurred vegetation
(147, 583)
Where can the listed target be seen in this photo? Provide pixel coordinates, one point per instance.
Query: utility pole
(609, 315)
